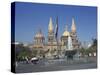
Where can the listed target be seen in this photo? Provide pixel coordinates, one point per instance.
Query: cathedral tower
(38, 45)
(73, 28)
(74, 35)
(50, 32)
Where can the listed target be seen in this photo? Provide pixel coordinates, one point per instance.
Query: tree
(94, 42)
(93, 48)
(23, 52)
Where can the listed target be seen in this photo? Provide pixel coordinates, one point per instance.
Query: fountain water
(70, 52)
(69, 45)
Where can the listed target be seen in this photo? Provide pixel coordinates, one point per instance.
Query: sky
(30, 17)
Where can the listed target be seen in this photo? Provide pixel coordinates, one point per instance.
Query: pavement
(56, 65)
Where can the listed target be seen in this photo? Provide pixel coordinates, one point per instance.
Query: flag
(56, 28)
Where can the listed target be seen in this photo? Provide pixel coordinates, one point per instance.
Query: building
(54, 46)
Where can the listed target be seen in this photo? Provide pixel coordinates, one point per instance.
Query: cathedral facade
(54, 47)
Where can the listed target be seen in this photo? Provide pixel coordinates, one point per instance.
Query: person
(27, 61)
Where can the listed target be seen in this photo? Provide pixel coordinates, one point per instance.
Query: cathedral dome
(66, 33)
(39, 35)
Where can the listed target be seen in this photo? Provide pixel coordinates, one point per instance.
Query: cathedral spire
(50, 28)
(73, 28)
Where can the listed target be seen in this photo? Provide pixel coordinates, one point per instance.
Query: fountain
(70, 51)
(69, 45)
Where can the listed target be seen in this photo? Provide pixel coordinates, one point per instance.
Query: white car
(34, 60)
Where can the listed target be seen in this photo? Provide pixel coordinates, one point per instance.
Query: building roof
(39, 35)
(66, 33)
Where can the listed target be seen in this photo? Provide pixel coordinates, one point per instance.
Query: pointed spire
(73, 28)
(50, 28)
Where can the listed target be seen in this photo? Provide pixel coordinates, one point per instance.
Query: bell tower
(75, 41)
(73, 28)
(50, 32)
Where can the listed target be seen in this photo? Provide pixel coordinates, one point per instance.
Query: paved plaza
(57, 65)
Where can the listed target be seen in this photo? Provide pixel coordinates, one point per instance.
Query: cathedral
(54, 47)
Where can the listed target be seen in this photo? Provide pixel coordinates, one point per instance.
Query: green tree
(24, 52)
(93, 47)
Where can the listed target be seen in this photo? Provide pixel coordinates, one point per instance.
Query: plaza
(58, 65)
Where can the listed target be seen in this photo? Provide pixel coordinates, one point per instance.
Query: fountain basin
(70, 53)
